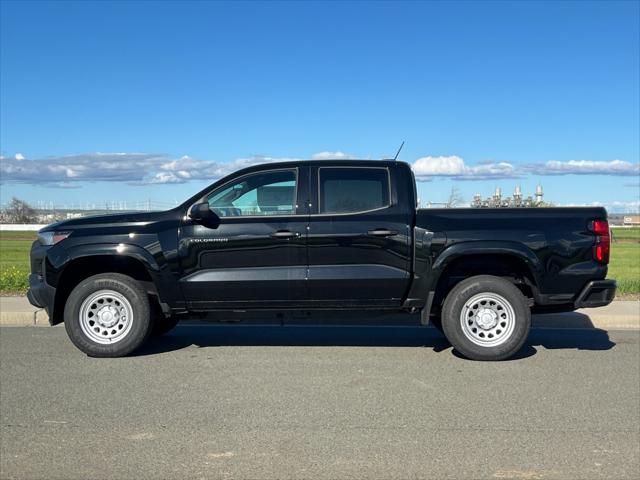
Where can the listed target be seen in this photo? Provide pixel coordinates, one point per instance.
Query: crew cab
(320, 235)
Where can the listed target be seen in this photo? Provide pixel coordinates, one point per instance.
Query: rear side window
(348, 190)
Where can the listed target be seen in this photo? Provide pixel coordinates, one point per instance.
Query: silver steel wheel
(487, 319)
(106, 317)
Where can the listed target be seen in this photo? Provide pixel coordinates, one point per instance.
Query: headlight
(51, 238)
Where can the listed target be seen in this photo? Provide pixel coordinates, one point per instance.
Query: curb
(24, 318)
(583, 320)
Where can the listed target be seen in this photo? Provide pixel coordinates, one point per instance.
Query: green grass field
(14, 260)
(625, 259)
(625, 234)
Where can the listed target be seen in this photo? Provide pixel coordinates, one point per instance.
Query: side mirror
(201, 213)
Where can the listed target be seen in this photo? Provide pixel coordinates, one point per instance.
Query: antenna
(398, 152)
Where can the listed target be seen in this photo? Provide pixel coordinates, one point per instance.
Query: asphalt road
(319, 402)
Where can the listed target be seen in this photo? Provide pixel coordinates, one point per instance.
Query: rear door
(358, 240)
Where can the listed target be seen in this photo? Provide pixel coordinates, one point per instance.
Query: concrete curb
(620, 315)
(36, 317)
(585, 319)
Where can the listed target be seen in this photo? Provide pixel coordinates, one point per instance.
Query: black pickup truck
(320, 235)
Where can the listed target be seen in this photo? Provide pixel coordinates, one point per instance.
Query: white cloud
(633, 205)
(164, 177)
(426, 168)
(434, 166)
(132, 168)
(454, 167)
(148, 168)
(338, 155)
(584, 167)
(186, 168)
(86, 167)
(612, 207)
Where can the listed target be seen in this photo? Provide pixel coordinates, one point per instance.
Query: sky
(133, 102)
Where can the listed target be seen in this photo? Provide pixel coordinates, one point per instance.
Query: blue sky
(134, 101)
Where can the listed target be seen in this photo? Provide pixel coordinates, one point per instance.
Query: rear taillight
(603, 240)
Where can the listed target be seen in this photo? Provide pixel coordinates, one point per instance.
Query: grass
(15, 246)
(14, 261)
(625, 267)
(625, 260)
(625, 234)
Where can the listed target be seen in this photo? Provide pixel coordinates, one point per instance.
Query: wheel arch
(80, 267)
(509, 260)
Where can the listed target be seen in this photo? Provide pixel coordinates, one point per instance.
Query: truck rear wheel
(108, 315)
(486, 318)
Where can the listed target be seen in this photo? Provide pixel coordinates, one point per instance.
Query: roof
(323, 162)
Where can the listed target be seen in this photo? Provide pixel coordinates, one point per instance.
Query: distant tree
(455, 198)
(19, 211)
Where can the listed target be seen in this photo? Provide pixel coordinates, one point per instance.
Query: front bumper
(596, 293)
(41, 294)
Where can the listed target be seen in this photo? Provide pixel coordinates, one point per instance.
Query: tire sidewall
(136, 296)
(455, 302)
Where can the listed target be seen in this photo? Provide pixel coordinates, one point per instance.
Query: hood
(116, 219)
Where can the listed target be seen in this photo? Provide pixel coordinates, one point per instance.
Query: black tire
(135, 329)
(516, 325)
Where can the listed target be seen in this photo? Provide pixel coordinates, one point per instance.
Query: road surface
(229, 401)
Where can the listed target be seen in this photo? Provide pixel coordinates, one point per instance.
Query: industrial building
(514, 201)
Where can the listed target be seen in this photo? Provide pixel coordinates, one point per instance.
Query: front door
(257, 255)
(359, 243)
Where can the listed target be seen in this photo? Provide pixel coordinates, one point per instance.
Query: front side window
(260, 194)
(347, 190)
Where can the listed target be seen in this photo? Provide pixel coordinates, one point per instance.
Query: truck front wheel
(486, 318)
(108, 315)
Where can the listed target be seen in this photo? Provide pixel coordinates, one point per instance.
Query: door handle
(381, 232)
(284, 234)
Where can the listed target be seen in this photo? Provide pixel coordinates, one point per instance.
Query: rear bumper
(41, 294)
(596, 293)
